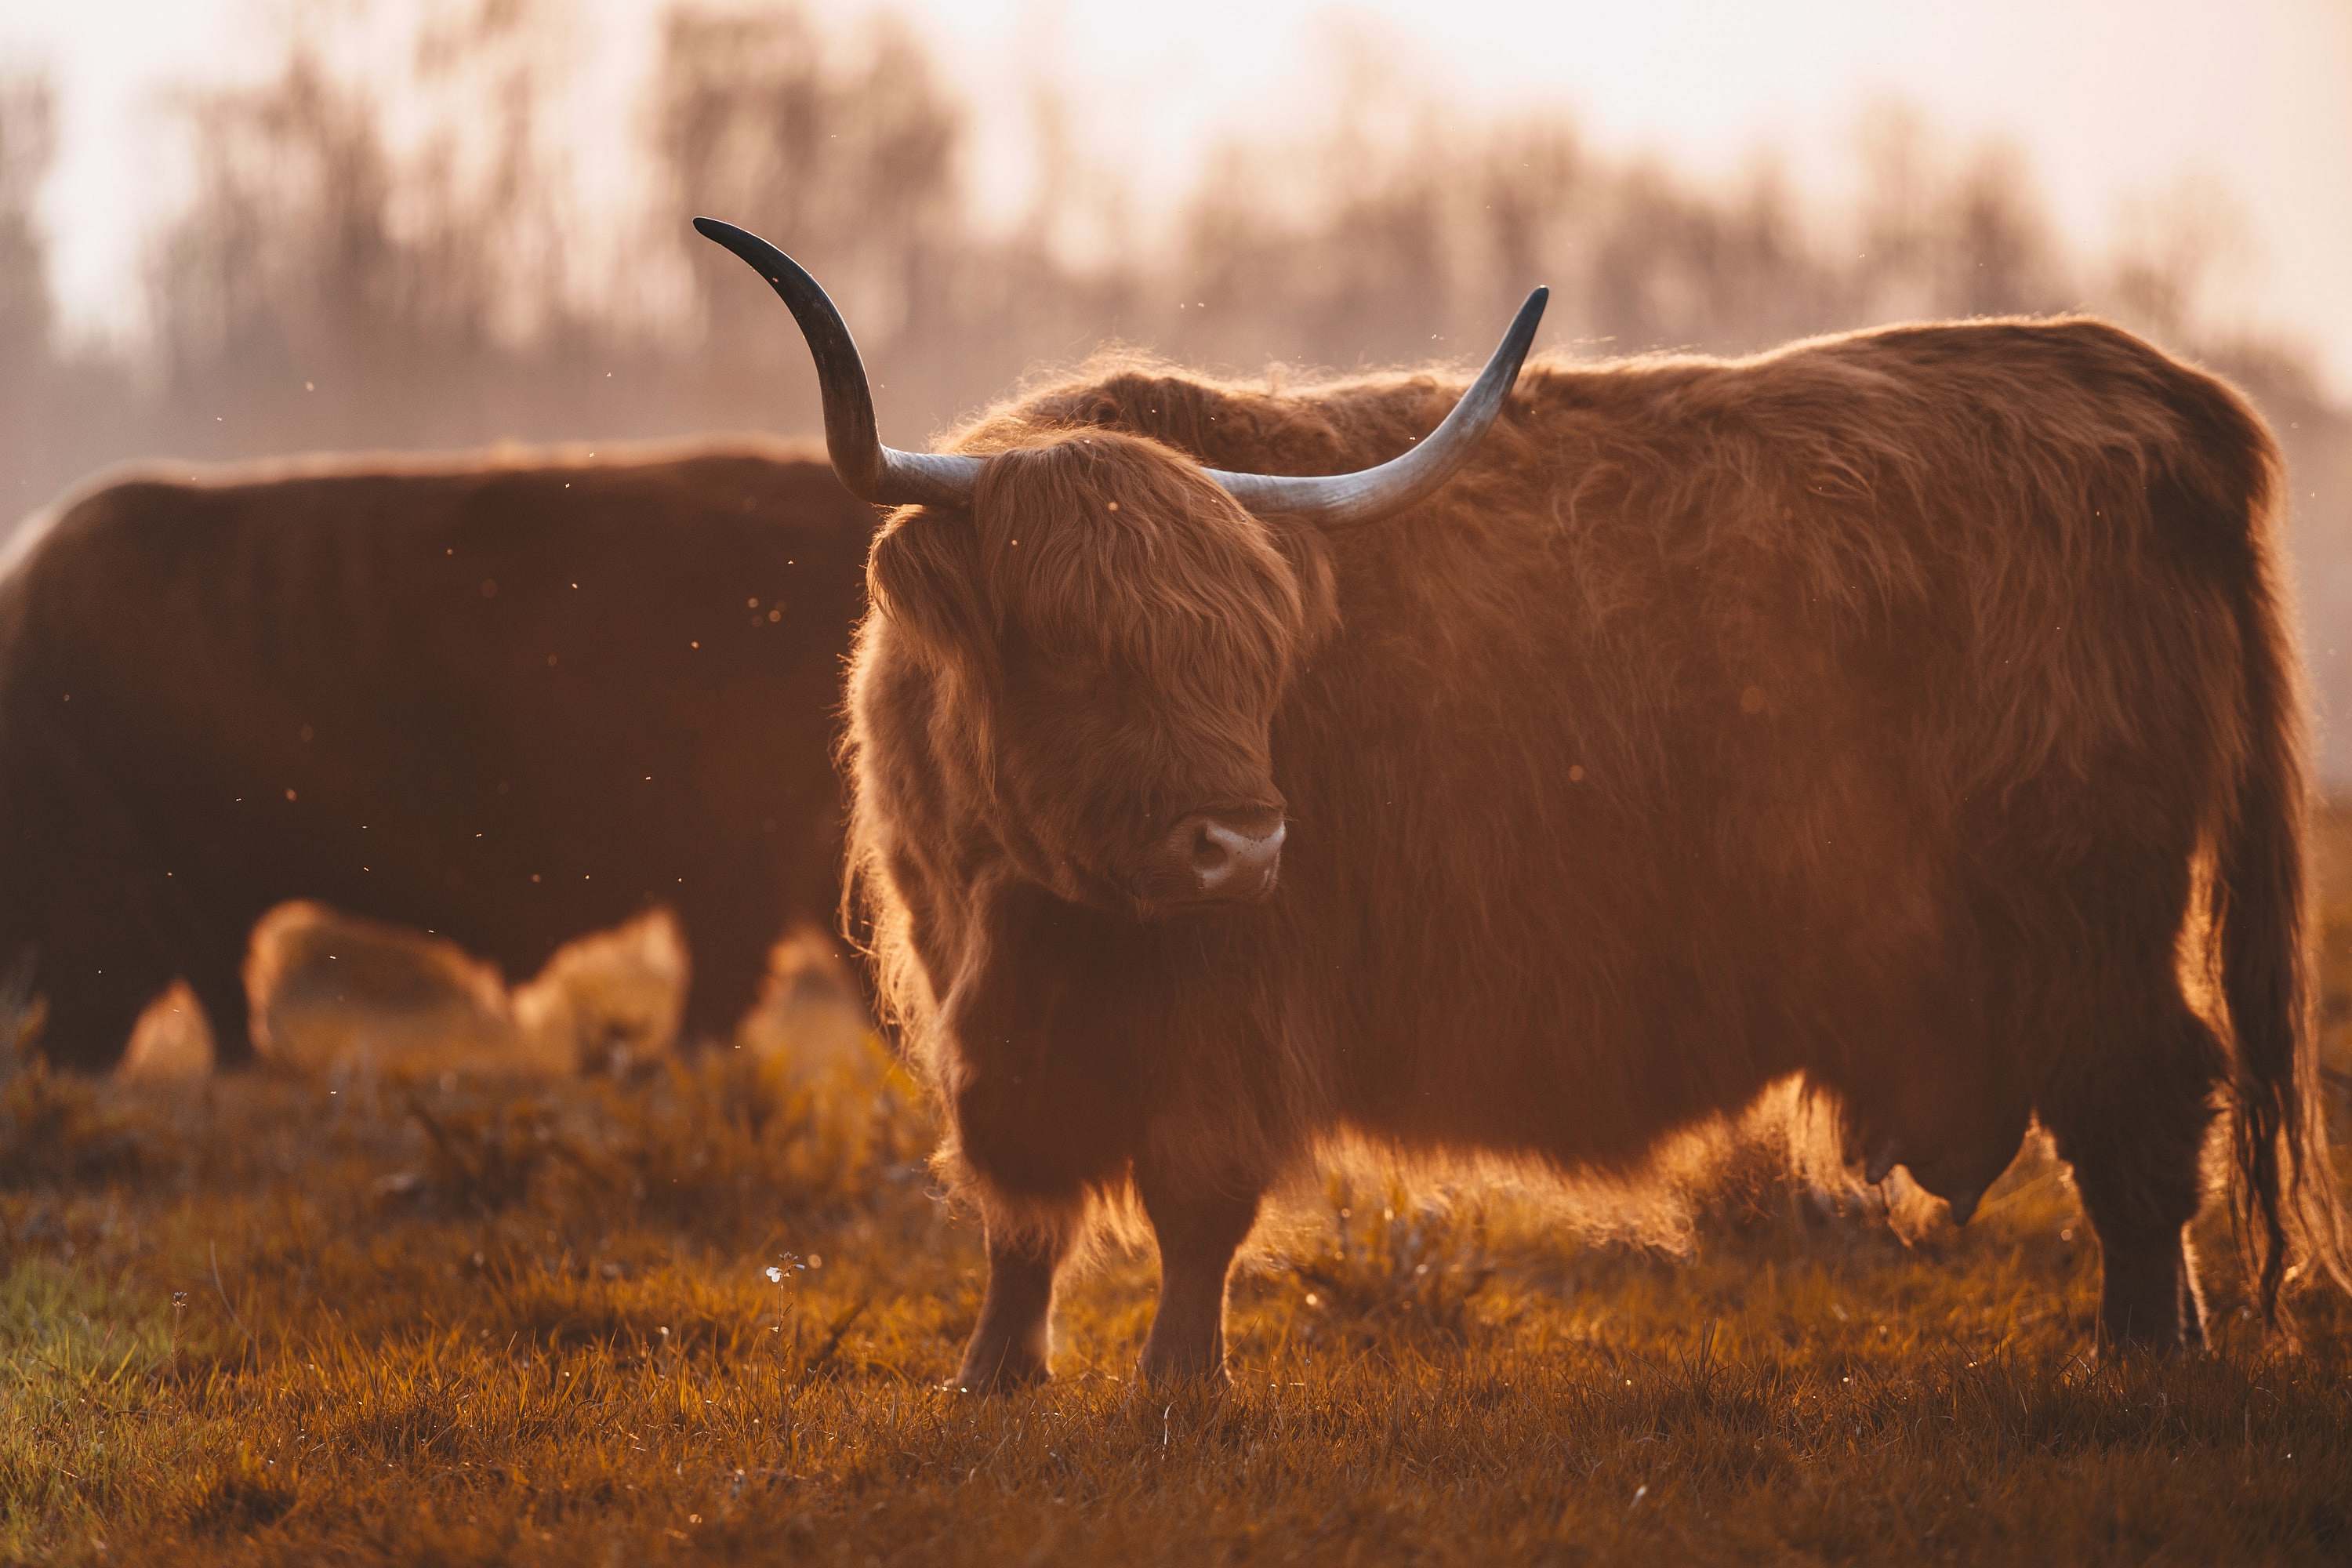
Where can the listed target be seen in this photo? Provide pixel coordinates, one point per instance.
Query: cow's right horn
(887, 476)
(1333, 500)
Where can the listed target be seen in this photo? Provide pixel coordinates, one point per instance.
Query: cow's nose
(1231, 854)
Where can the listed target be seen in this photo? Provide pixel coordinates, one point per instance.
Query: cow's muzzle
(1227, 856)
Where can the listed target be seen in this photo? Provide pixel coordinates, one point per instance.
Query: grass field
(701, 1316)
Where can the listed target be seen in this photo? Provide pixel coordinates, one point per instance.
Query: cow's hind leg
(105, 944)
(1012, 1345)
(1200, 1226)
(2131, 1118)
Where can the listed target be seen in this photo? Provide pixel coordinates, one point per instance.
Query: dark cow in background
(1884, 710)
(508, 700)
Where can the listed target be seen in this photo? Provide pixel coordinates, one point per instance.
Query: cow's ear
(1310, 555)
(925, 576)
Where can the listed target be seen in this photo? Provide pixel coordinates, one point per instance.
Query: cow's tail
(2284, 1199)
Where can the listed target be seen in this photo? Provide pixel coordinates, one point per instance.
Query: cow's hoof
(1183, 1375)
(997, 1370)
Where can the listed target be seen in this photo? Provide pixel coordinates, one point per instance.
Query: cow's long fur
(510, 697)
(1862, 711)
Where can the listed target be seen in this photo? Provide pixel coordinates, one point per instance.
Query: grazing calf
(507, 699)
(1884, 711)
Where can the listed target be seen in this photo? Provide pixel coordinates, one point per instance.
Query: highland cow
(1891, 711)
(509, 700)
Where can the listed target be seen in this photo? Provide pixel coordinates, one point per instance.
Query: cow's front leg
(1012, 1343)
(1200, 1227)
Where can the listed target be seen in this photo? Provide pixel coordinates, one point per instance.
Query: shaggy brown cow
(1888, 710)
(508, 700)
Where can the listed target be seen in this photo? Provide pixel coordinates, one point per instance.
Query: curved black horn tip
(741, 241)
(1519, 340)
(1532, 311)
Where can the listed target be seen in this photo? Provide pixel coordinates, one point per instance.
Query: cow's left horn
(887, 476)
(883, 475)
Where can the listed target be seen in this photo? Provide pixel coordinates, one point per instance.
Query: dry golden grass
(699, 1315)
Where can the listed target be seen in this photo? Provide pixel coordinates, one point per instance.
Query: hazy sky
(2111, 101)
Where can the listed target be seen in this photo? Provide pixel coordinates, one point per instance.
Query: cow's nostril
(1209, 850)
(1232, 855)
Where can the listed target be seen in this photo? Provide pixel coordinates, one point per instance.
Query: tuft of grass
(55, 1129)
(1393, 1265)
(243, 1495)
(486, 1157)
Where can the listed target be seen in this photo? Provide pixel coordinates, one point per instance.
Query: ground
(700, 1314)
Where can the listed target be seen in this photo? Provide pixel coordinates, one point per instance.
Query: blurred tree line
(409, 258)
